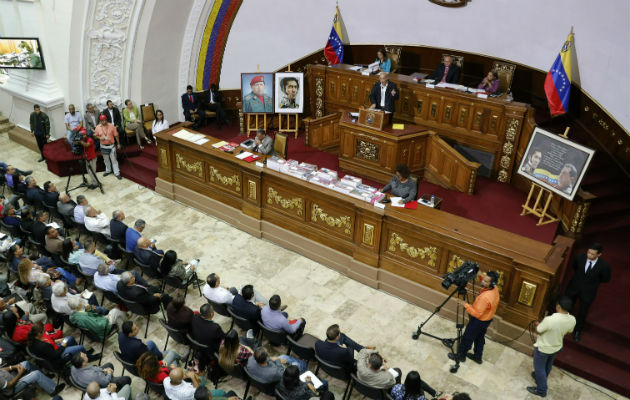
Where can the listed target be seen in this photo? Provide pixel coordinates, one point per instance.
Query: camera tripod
(83, 161)
(451, 343)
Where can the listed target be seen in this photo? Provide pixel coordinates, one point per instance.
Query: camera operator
(108, 135)
(90, 155)
(480, 315)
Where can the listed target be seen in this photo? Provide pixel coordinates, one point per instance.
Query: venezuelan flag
(558, 80)
(334, 47)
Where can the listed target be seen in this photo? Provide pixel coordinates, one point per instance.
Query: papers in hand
(54, 225)
(393, 372)
(86, 294)
(314, 380)
(397, 201)
(354, 114)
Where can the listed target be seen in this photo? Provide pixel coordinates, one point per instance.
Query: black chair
(196, 346)
(221, 309)
(147, 269)
(276, 338)
(81, 229)
(114, 244)
(156, 387)
(113, 330)
(52, 212)
(266, 388)
(279, 396)
(111, 297)
(127, 255)
(366, 390)
(243, 323)
(178, 335)
(13, 231)
(334, 371)
(137, 308)
(177, 283)
(48, 365)
(304, 347)
(126, 365)
(25, 235)
(11, 393)
(76, 385)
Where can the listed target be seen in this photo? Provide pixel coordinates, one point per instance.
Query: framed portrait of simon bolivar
(257, 92)
(289, 92)
(555, 163)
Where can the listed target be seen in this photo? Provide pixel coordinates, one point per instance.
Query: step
(605, 345)
(606, 190)
(3, 119)
(6, 127)
(615, 206)
(606, 223)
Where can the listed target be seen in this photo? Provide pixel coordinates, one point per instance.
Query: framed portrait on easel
(289, 92)
(257, 92)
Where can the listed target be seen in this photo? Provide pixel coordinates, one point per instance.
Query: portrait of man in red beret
(258, 99)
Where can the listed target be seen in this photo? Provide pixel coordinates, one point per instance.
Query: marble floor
(319, 294)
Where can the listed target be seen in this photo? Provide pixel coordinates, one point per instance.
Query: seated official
(149, 297)
(108, 281)
(96, 220)
(172, 266)
(190, 104)
(51, 194)
(338, 349)
(117, 228)
(372, 370)
(176, 388)
(490, 83)
(132, 121)
(291, 387)
(401, 185)
(57, 352)
(96, 323)
(232, 352)
(84, 374)
(79, 211)
(133, 234)
(447, 72)
(131, 348)
(147, 254)
(60, 297)
(412, 389)
(179, 316)
(384, 62)
(159, 123)
(263, 143)
(274, 318)
(111, 392)
(212, 102)
(89, 260)
(65, 206)
(270, 369)
(205, 331)
(383, 94)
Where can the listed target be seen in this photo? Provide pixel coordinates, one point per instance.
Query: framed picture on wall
(257, 92)
(555, 163)
(289, 92)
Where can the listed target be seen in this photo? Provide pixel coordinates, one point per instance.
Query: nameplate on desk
(430, 86)
(379, 205)
(260, 165)
(482, 95)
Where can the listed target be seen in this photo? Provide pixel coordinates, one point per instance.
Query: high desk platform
(403, 252)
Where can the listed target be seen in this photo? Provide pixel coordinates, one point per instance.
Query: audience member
(244, 305)
(108, 282)
(44, 287)
(338, 349)
(24, 374)
(51, 194)
(16, 255)
(205, 331)
(274, 318)
(96, 220)
(26, 220)
(89, 151)
(372, 370)
(152, 369)
(89, 260)
(10, 216)
(179, 315)
(53, 240)
(91, 118)
(57, 352)
(65, 206)
(84, 374)
(117, 228)
(94, 392)
(28, 272)
(113, 116)
(291, 387)
(131, 348)
(203, 393)
(79, 212)
(40, 227)
(59, 301)
(232, 353)
(412, 389)
(34, 194)
(132, 120)
(96, 323)
(40, 128)
(176, 388)
(133, 234)
(172, 266)
(213, 291)
(147, 254)
(270, 369)
(148, 296)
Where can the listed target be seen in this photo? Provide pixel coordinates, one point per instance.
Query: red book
(251, 158)
(412, 205)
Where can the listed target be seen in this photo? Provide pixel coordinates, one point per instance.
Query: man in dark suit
(447, 72)
(190, 104)
(51, 195)
(338, 349)
(131, 348)
(34, 194)
(147, 254)
(589, 271)
(117, 227)
(206, 331)
(149, 296)
(211, 101)
(39, 226)
(113, 117)
(384, 88)
(243, 306)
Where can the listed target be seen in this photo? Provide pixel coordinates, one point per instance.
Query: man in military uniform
(290, 87)
(257, 101)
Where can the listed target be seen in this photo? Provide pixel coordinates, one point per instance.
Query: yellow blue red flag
(334, 47)
(558, 80)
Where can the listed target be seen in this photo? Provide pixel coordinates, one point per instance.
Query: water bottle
(432, 200)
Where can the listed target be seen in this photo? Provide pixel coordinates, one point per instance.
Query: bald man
(383, 94)
(147, 254)
(177, 389)
(65, 206)
(447, 72)
(94, 392)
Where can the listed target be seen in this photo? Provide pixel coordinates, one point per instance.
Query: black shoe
(94, 357)
(577, 335)
(453, 357)
(475, 359)
(534, 376)
(58, 389)
(284, 307)
(92, 186)
(89, 352)
(27, 173)
(533, 390)
(41, 159)
(119, 177)
(107, 173)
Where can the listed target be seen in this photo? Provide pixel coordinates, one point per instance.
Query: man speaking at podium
(383, 94)
(480, 315)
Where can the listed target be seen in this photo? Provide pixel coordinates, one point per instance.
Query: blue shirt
(131, 239)
(274, 319)
(386, 65)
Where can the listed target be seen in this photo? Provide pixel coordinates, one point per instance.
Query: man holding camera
(480, 315)
(108, 135)
(90, 155)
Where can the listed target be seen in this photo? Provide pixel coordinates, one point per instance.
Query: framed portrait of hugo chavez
(257, 92)
(555, 163)
(289, 92)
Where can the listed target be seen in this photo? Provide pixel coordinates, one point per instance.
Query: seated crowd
(51, 288)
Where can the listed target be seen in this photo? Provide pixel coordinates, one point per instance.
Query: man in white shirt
(96, 220)
(214, 292)
(60, 297)
(383, 94)
(79, 212)
(94, 392)
(177, 389)
(73, 121)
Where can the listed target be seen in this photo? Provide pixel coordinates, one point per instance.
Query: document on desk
(201, 141)
(219, 144)
(355, 68)
(244, 154)
(397, 202)
(354, 114)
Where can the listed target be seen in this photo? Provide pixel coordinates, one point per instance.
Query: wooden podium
(371, 118)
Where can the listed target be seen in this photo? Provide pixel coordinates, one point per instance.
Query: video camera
(76, 138)
(461, 275)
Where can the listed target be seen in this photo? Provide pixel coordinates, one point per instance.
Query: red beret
(256, 79)
(82, 130)
(102, 117)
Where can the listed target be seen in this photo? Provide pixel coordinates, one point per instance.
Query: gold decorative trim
(252, 189)
(419, 106)
(462, 115)
(447, 113)
(340, 222)
(193, 167)
(433, 109)
(368, 234)
(413, 252)
(367, 150)
(454, 263)
(527, 292)
(471, 182)
(273, 196)
(508, 148)
(233, 180)
(319, 93)
(163, 157)
(343, 90)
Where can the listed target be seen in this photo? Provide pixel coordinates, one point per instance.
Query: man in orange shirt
(108, 135)
(480, 314)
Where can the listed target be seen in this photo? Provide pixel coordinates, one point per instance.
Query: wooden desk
(493, 125)
(404, 252)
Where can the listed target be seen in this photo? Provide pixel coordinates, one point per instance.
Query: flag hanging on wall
(558, 80)
(334, 46)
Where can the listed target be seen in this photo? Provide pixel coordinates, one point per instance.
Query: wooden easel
(253, 122)
(543, 196)
(284, 120)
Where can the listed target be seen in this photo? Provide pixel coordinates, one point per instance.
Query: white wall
(528, 32)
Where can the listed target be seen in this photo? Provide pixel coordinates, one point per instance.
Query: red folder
(412, 205)
(251, 158)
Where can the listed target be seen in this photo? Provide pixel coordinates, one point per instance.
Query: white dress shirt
(98, 223)
(107, 282)
(60, 304)
(218, 294)
(159, 126)
(183, 391)
(105, 395)
(79, 214)
(592, 264)
(383, 90)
